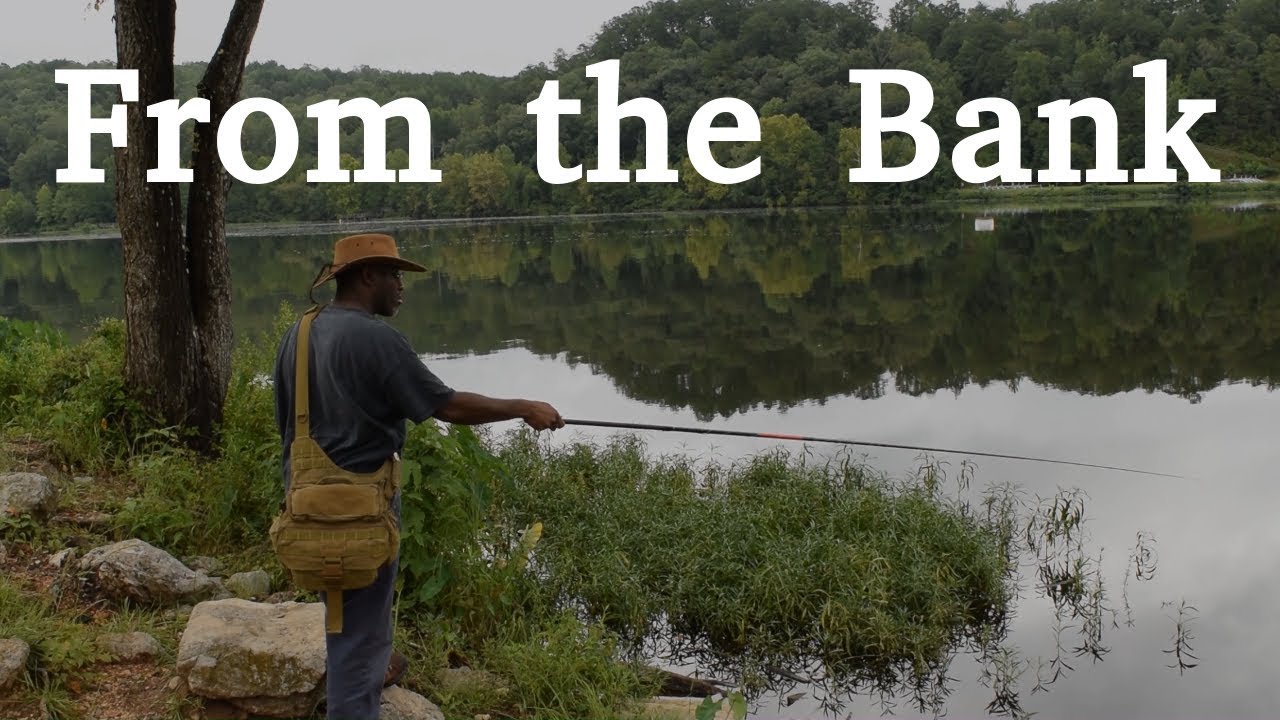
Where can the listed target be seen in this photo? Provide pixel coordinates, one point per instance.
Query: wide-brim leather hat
(361, 250)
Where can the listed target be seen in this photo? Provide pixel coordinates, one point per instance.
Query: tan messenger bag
(337, 527)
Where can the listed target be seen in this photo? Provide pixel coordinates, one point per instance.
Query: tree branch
(208, 261)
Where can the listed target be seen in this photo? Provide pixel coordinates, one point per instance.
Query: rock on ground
(136, 570)
(253, 584)
(62, 557)
(128, 647)
(23, 494)
(13, 659)
(266, 658)
(401, 704)
(210, 565)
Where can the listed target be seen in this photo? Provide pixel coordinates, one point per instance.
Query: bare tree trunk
(177, 286)
(210, 264)
(161, 348)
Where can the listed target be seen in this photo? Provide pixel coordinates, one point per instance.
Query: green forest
(701, 312)
(788, 59)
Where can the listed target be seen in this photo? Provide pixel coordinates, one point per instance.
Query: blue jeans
(358, 656)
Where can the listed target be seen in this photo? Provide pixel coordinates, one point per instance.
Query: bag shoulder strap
(301, 385)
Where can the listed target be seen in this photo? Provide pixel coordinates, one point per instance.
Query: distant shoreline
(977, 199)
(1226, 188)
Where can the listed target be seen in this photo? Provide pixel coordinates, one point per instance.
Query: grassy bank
(566, 569)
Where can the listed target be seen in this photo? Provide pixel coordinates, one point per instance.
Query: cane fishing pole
(844, 441)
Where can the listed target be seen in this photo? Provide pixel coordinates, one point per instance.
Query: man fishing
(364, 382)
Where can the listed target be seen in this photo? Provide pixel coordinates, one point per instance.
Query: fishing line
(843, 441)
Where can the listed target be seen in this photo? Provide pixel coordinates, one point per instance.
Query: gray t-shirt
(366, 380)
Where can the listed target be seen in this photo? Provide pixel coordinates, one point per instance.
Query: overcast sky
(492, 36)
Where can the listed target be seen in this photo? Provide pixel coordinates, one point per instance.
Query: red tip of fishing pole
(780, 436)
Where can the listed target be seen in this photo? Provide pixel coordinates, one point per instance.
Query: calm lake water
(1144, 337)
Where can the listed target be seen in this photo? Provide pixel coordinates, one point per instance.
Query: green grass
(62, 648)
(777, 561)
(63, 637)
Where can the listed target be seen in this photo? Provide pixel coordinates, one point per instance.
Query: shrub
(773, 562)
(194, 505)
(72, 396)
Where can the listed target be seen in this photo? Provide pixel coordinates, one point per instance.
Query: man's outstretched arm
(467, 408)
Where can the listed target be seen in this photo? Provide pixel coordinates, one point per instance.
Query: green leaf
(739, 705)
(707, 709)
(433, 585)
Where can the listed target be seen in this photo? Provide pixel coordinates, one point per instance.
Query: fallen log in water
(676, 685)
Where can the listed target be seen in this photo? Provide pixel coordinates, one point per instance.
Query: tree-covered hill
(788, 59)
